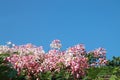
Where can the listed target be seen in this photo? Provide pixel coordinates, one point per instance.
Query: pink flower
(56, 44)
(100, 52)
(34, 60)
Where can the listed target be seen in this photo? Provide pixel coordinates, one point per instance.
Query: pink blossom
(34, 60)
(56, 44)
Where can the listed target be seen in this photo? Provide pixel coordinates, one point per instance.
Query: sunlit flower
(56, 44)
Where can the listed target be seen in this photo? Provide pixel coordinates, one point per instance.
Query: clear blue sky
(96, 23)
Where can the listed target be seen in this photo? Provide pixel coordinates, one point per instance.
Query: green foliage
(45, 76)
(91, 58)
(2, 57)
(97, 72)
(111, 71)
(113, 77)
(6, 70)
(63, 75)
(114, 62)
(58, 75)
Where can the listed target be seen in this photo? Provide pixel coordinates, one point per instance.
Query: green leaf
(113, 77)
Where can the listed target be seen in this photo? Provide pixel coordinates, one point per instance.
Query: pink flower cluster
(27, 63)
(22, 50)
(78, 66)
(77, 50)
(34, 60)
(56, 44)
(100, 54)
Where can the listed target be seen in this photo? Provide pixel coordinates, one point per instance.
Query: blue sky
(95, 23)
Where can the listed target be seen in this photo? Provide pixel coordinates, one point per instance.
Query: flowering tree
(33, 63)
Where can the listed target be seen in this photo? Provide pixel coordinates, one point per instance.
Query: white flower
(9, 43)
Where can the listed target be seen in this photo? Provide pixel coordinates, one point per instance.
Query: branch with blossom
(33, 60)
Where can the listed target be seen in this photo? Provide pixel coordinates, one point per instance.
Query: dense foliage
(29, 62)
